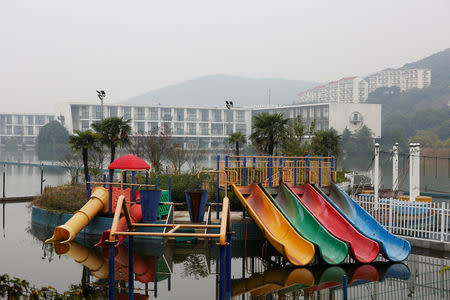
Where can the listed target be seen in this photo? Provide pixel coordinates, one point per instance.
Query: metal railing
(243, 170)
(410, 218)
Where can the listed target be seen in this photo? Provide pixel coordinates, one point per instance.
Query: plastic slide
(271, 280)
(332, 250)
(362, 248)
(283, 237)
(392, 247)
(98, 201)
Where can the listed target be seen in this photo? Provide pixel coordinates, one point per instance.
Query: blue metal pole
(217, 188)
(228, 262)
(307, 169)
(226, 166)
(111, 173)
(111, 271)
(270, 171)
(254, 167)
(222, 272)
(280, 167)
(320, 172)
(89, 188)
(130, 267)
(344, 287)
(295, 171)
(155, 278)
(156, 183)
(104, 180)
(332, 170)
(245, 171)
(170, 188)
(147, 180)
(133, 181)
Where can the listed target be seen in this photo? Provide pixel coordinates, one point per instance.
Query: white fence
(415, 219)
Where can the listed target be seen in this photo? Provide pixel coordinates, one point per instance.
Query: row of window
(306, 113)
(19, 130)
(163, 113)
(25, 120)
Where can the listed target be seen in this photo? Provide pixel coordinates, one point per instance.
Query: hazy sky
(54, 51)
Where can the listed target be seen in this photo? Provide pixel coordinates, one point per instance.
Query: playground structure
(262, 184)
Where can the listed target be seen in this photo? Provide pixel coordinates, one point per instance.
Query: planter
(196, 201)
(149, 204)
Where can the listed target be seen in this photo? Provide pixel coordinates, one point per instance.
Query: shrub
(66, 198)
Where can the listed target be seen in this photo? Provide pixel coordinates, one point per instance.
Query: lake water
(190, 269)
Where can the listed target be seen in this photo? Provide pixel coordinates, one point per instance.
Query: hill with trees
(419, 115)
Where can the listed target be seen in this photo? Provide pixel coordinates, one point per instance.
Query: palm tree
(269, 130)
(326, 143)
(84, 141)
(237, 138)
(114, 132)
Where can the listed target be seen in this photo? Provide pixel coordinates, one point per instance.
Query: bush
(66, 198)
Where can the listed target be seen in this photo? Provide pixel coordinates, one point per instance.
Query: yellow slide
(274, 225)
(99, 201)
(85, 256)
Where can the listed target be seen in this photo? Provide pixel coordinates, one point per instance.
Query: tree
(52, 141)
(84, 141)
(114, 132)
(294, 143)
(269, 131)
(178, 156)
(237, 138)
(326, 143)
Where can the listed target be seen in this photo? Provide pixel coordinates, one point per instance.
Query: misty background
(59, 51)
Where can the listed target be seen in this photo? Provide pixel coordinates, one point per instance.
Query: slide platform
(99, 201)
(362, 248)
(331, 249)
(283, 237)
(391, 246)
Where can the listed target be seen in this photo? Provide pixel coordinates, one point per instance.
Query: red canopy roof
(129, 162)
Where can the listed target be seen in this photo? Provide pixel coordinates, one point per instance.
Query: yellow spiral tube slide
(99, 201)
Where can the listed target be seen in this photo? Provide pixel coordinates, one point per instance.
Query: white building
(404, 79)
(22, 129)
(345, 90)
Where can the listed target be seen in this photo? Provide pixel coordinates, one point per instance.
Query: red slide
(363, 249)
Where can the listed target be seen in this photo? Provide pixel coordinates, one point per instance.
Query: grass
(66, 198)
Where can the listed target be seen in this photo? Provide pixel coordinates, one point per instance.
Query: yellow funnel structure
(97, 202)
(85, 256)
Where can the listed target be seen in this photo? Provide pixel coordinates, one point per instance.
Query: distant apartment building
(22, 129)
(345, 90)
(405, 79)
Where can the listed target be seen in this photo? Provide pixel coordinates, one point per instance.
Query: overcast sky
(54, 51)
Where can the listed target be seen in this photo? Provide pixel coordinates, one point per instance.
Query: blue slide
(391, 246)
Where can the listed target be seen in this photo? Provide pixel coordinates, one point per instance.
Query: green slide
(332, 250)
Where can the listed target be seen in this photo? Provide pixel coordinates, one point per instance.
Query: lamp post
(229, 106)
(101, 95)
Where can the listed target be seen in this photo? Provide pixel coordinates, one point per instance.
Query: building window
(127, 113)
(40, 120)
(153, 113)
(204, 128)
(30, 130)
(98, 112)
(229, 115)
(84, 125)
(217, 129)
(166, 114)
(51, 118)
(19, 119)
(205, 115)
(85, 112)
(18, 130)
(153, 127)
(325, 111)
(192, 128)
(179, 114)
(192, 114)
(229, 128)
(166, 128)
(9, 129)
(240, 116)
(242, 128)
(140, 127)
(30, 120)
(217, 115)
(179, 128)
(113, 111)
(140, 113)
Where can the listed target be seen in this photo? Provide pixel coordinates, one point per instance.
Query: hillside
(421, 113)
(214, 90)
